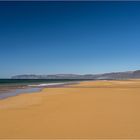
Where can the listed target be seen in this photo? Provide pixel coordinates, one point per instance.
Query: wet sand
(89, 110)
(7, 91)
(8, 88)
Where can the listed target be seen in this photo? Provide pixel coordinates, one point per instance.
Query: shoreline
(14, 90)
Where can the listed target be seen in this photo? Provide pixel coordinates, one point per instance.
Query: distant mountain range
(104, 76)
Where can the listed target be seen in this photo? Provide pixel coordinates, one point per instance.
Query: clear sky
(69, 37)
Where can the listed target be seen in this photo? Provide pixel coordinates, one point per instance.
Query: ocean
(13, 87)
(33, 81)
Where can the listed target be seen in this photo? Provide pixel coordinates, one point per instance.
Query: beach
(88, 110)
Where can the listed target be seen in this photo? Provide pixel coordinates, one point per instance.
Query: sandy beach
(88, 110)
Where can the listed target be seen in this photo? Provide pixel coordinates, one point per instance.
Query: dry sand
(89, 110)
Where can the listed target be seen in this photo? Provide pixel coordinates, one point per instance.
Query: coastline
(7, 91)
(88, 110)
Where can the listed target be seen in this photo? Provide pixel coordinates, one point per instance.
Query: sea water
(13, 87)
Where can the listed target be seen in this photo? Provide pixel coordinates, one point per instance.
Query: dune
(88, 110)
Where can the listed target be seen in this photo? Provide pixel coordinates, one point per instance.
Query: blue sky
(69, 37)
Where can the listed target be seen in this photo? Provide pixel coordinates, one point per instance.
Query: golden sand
(89, 110)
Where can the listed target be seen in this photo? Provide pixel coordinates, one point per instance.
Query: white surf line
(49, 84)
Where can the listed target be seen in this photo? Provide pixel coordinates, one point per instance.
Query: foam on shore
(48, 84)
